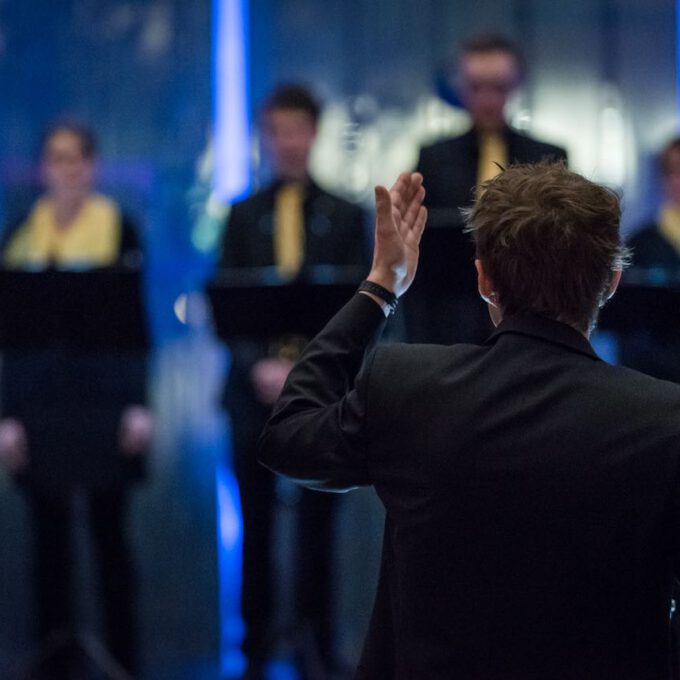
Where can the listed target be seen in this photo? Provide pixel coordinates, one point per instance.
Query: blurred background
(147, 76)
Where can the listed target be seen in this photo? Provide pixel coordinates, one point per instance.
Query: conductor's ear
(488, 294)
(485, 284)
(616, 279)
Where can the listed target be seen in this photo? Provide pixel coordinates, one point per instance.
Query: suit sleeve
(422, 163)
(232, 248)
(363, 248)
(424, 166)
(132, 367)
(316, 434)
(131, 251)
(445, 191)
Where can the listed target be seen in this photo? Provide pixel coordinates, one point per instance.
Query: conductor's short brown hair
(549, 239)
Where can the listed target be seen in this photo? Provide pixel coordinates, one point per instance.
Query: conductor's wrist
(384, 279)
(383, 296)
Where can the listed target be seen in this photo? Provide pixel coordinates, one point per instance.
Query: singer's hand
(13, 445)
(268, 377)
(136, 430)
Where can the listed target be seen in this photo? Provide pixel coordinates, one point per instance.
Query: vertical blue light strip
(230, 99)
(229, 546)
(231, 181)
(677, 55)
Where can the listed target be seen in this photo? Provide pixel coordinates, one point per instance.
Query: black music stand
(97, 309)
(257, 303)
(643, 317)
(646, 300)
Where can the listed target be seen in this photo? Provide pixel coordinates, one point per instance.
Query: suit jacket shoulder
(449, 167)
(446, 148)
(525, 149)
(464, 148)
(248, 230)
(335, 230)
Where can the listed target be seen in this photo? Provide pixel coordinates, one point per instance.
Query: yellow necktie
(492, 150)
(669, 224)
(289, 230)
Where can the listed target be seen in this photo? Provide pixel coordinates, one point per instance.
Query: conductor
(531, 489)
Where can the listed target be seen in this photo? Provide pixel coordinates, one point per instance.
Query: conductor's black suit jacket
(531, 493)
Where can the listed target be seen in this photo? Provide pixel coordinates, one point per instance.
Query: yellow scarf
(669, 224)
(91, 240)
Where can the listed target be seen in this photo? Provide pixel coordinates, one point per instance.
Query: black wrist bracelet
(387, 296)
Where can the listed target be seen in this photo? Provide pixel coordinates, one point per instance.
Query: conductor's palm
(400, 222)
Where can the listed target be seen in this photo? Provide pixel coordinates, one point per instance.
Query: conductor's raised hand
(400, 221)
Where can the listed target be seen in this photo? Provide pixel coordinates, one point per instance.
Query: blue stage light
(231, 180)
(230, 99)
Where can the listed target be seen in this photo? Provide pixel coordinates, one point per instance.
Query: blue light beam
(677, 55)
(231, 181)
(230, 99)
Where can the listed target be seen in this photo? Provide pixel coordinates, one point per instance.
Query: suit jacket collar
(541, 327)
(312, 189)
(512, 138)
